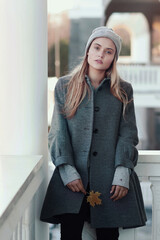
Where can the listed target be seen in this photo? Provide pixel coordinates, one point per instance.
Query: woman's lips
(99, 61)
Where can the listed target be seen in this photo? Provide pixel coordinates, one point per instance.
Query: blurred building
(138, 23)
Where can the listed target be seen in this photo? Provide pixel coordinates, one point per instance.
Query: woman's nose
(101, 54)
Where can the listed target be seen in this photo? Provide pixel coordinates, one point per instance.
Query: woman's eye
(108, 52)
(97, 48)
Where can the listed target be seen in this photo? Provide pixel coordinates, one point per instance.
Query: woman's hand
(76, 186)
(118, 192)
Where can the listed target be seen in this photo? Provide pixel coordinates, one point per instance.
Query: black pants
(72, 226)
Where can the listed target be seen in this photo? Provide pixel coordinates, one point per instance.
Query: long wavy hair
(77, 87)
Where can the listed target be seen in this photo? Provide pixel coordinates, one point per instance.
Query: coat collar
(106, 79)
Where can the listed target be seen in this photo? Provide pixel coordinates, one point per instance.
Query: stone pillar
(155, 187)
(23, 77)
(141, 117)
(23, 84)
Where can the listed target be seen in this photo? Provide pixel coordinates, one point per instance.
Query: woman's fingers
(115, 193)
(73, 186)
(118, 192)
(113, 189)
(82, 189)
(76, 186)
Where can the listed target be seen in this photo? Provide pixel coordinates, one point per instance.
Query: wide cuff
(121, 177)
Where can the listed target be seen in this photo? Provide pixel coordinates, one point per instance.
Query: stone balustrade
(145, 80)
(21, 183)
(21, 179)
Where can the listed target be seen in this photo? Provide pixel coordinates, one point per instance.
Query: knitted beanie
(108, 33)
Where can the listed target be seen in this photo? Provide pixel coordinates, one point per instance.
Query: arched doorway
(150, 9)
(135, 36)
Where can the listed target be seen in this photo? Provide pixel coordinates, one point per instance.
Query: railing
(148, 170)
(144, 78)
(21, 179)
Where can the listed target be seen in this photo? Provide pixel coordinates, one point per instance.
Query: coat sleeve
(126, 152)
(59, 138)
(68, 173)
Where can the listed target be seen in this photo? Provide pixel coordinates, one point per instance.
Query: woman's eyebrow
(107, 48)
(98, 44)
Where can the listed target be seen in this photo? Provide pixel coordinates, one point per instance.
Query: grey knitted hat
(108, 33)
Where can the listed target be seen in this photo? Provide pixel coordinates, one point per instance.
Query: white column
(23, 76)
(141, 47)
(155, 187)
(23, 84)
(141, 117)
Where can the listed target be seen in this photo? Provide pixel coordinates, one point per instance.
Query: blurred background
(71, 22)
(138, 23)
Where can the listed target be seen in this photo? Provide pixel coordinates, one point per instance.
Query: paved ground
(54, 232)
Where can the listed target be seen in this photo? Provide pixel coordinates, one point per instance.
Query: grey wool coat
(95, 141)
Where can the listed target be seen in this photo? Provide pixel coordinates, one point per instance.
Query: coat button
(95, 153)
(96, 109)
(95, 130)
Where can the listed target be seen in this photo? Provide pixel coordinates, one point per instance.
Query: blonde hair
(77, 87)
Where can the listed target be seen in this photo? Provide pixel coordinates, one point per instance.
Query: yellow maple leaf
(94, 199)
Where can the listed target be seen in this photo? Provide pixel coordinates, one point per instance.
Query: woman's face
(101, 54)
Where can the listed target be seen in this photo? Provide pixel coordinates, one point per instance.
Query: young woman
(92, 144)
